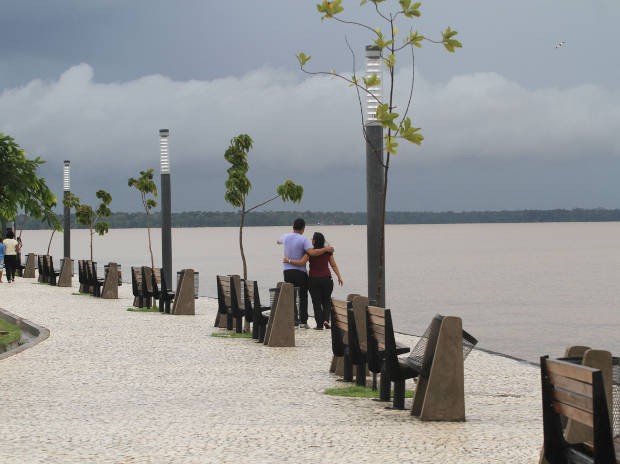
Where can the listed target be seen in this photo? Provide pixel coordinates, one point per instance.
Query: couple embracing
(297, 252)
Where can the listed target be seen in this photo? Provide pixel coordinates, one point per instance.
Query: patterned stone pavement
(112, 386)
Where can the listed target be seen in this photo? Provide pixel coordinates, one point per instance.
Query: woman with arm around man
(321, 283)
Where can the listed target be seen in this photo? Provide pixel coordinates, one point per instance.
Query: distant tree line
(286, 218)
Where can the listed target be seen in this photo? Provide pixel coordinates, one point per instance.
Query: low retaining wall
(32, 332)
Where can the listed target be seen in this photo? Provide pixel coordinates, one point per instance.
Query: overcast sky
(510, 121)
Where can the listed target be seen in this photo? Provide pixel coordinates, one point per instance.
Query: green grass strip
(144, 310)
(231, 335)
(13, 334)
(357, 391)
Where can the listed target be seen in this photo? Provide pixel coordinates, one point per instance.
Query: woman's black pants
(321, 293)
(10, 263)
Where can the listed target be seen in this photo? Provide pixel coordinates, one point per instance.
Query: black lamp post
(374, 182)
(66, 186)
(166, 214)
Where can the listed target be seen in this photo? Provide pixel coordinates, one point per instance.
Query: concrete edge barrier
(36, 332)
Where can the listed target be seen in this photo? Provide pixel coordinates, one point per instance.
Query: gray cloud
(303, 129)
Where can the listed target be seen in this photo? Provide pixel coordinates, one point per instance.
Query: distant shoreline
(123, 220)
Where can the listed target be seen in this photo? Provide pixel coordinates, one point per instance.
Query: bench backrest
(577, 392)
(136, 280)
(381, 341)
(251, 299)
(340, 326)
(147, 281)
(228, 293)
(82, 271)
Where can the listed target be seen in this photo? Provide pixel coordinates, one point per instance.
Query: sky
(511, 120)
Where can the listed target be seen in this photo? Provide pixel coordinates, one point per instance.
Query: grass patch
(357, 391)
(143, 310)
(231, 334)
(14, 333)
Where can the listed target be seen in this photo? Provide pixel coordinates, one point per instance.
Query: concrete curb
(37, 333)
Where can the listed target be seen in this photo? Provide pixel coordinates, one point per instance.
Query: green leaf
(290, 191)
(386, 118)
(372, 81)
(410, 133)
(303, 59)
(329, 9)
(449, 43)
(390, 145)
(390, 61)
(415, 39)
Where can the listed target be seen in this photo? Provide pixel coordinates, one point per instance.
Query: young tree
(21, 188)
(147, 188)
(238, 185)
(398, 126)
(87, 216)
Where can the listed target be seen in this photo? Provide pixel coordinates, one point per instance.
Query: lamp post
(66, 186)
(375, 181)
(166, 215)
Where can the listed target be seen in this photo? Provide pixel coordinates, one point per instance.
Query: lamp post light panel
(163, 150)
(66, 180)
(374, 66)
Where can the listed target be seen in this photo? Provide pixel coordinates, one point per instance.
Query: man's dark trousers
(299, 279)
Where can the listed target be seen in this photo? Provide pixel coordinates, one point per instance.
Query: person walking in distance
(295, 247)
(2, 249)
(12, 247)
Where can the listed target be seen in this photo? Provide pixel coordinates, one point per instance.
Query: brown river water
(522, 289)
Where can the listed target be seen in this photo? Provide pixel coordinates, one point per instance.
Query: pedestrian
(2, 248)
(295, 247)
(12, 247)
(321, 284)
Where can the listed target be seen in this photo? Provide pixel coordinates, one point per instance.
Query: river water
(521, 289)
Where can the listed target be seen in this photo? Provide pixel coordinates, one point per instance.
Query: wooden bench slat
(577, 414)
(567, 369)
(566, 383)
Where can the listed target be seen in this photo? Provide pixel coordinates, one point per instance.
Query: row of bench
(239, 299)
(363, 338)
(149, 286)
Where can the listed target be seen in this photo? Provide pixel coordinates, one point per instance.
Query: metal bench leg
(360, 374)
(399, 394)
(347, 369)
(384, 385)
(229, 321)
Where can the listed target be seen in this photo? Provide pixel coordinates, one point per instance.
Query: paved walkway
(112, 386)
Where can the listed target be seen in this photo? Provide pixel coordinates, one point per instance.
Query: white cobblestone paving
(112, 386)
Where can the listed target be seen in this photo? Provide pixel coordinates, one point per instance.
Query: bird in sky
(560, 44)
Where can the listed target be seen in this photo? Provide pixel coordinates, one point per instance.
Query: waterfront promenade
(112, 386)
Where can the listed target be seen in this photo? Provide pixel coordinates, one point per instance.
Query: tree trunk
(49, 245)
(91, 244)
(148, 231)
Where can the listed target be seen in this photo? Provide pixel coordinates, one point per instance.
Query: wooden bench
(160, 290)
(41, 278)
(578, 393)
(254, 309)
(94, 282)
(228, 303)
(50, 275)
(145, 286)
(345, 341)
(82, 276)
(436, 361)
(136, 286)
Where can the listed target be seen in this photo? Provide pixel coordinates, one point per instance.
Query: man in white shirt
(295, 246)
